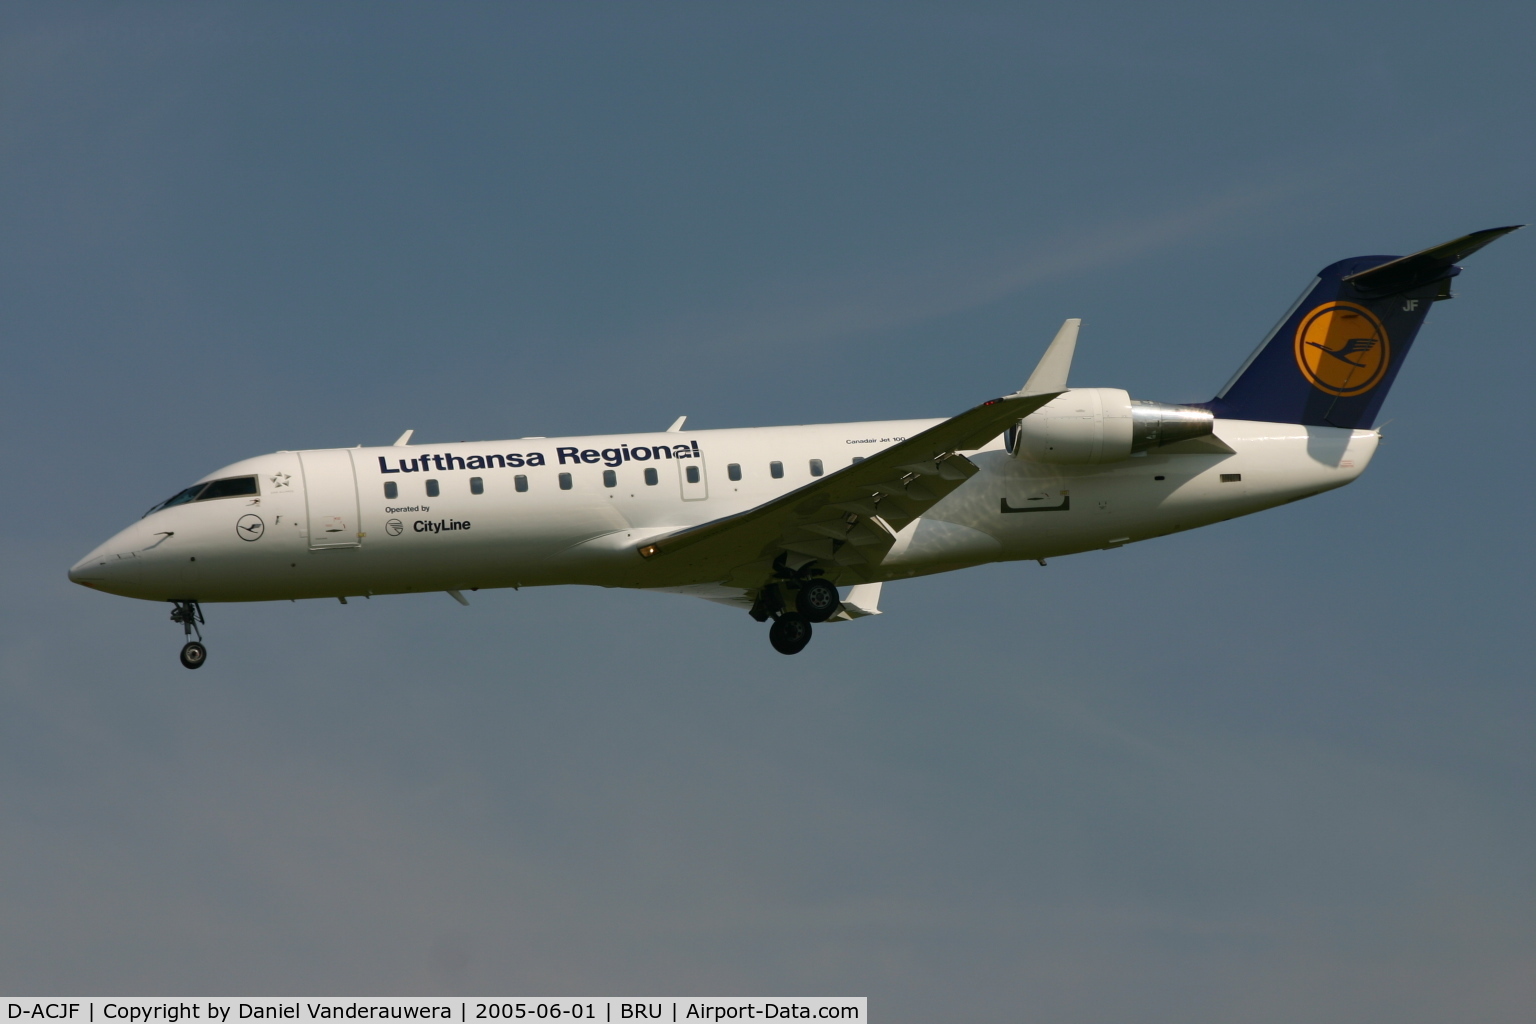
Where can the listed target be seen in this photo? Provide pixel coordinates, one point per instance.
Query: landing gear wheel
(189, 616)
(789, 634)
(817, 600)
(193, 655)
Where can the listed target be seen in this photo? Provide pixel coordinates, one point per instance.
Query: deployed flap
(862, 600)
(1051, 372)
(848, 518)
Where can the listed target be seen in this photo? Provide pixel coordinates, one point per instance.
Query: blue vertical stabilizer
(1332, 358)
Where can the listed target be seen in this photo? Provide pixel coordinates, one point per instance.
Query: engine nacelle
(1087, 426)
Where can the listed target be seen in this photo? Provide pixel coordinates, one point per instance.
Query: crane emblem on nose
(249, 527)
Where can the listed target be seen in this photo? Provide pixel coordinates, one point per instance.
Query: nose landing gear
(190, 615)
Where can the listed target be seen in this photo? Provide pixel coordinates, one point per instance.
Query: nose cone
(115, 567)
(117, 573)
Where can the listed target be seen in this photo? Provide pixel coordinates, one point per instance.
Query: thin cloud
(799, 313)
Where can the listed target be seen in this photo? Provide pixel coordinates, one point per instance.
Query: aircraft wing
(849, 518)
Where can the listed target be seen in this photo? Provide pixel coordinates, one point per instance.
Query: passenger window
(476, 485)
(650, 476)
(858, 458)
(520, 482)
(776, 470)
(693, 474)
(815, 467)
(391, 489)
(431, 488)
(610, 478)
(733, 471)
(565, 481)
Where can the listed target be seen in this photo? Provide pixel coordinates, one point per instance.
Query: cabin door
(330, 498)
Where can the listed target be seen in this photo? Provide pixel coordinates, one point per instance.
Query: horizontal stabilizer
(1407, 272)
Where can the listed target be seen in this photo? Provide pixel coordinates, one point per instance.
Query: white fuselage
(322, 525)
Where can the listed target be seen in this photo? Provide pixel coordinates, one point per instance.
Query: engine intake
(1088, 426)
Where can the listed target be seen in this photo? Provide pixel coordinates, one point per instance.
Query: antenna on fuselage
(677, 425)
(403, 440)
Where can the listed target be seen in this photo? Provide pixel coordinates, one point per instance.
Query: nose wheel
(190, 615)
(193, 654)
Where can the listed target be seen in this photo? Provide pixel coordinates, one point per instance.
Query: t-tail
(1332, 358)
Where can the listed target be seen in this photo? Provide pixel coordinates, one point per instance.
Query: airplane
(775, 520)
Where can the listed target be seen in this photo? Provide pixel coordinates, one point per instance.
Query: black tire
(817, 600)
(193, 655)
(789, 634)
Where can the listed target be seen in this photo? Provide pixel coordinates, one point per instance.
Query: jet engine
(1087, 426)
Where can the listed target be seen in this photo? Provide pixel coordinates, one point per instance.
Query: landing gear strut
(190, 615)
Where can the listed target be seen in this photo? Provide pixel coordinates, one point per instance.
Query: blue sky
(1272, 770)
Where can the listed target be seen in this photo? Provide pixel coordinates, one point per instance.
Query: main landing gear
(815, 600)
(190, 615)
(789, 633)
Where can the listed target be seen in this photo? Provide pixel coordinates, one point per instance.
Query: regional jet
(799, 525)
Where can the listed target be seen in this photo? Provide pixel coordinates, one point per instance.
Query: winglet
(1051, 372)
(677, 425)
(403, 440)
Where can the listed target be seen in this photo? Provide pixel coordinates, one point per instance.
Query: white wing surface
(847, 520)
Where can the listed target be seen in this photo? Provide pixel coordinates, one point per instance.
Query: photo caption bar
(221, 1010)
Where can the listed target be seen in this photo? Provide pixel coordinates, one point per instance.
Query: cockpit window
(179, 498)
(229, 487)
